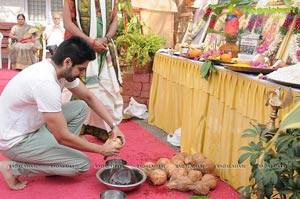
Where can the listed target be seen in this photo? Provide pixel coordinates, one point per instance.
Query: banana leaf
(291, 119)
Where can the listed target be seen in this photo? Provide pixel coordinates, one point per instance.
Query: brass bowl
(115, 163)
(103, 175)
(113, 194)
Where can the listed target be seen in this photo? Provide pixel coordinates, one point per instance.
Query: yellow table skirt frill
(212, 114)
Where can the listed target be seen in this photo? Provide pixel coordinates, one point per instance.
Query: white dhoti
(108, 91)
(106, 87)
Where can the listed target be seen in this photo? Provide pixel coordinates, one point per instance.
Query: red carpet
(141, 147)
(5, 76)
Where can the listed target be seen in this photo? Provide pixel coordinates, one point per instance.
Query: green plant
(126, 12)
(134, 26)
(275, 163)
(141, 47)
(125, 7)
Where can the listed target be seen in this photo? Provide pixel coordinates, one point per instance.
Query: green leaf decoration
(206, 69)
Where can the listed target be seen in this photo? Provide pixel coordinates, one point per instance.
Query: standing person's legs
(109, 93)
(39, 154)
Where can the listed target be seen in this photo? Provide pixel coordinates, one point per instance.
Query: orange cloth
(27, 40)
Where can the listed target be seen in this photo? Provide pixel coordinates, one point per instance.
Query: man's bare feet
(11, 180)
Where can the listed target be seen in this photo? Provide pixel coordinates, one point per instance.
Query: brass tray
(289, 84)
(219, 62)
(251, 70)
(185, 56)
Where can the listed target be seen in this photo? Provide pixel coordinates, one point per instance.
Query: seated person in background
(25, 42)
(54, 34)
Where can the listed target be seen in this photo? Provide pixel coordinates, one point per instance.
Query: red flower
(208, 11)
(287, 22)
(207, 14)
(212, 23)
(297, 25)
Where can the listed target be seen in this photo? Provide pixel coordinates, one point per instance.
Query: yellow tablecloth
(211, 114)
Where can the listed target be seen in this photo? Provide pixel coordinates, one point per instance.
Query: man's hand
(118, 133)
(100, 45)
(109, 149)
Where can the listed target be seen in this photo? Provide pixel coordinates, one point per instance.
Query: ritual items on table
(232, 23)
(277, 27)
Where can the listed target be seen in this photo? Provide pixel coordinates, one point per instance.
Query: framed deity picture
(273, 40)
(272, 26)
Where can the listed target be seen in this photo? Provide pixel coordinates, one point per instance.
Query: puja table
(213, 113)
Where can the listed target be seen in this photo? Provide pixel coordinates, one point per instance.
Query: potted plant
(275, 163)
(140, 49)
(125, 28)
(137, 48)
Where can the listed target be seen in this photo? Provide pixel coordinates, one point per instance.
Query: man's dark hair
(76, 48)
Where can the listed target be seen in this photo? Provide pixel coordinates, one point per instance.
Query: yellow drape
(212, 114)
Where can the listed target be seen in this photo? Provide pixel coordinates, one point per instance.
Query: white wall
(10, 9)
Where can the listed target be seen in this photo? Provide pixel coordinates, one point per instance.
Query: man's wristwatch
(113, 125)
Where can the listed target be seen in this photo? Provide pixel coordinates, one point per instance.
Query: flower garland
(259, 23)
(279, 37)
(294, 51)
(199, 26)
(297, 25)
(251, 23)
(287, 22)
(213, 13)
(207, 14)
(212, 23)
